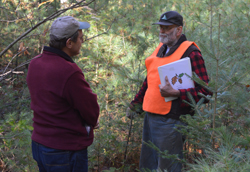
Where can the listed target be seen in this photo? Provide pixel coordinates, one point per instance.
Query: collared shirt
(59, 52)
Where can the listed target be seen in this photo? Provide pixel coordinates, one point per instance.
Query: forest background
(120, 38)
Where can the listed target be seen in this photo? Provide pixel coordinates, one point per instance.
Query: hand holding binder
(167, 90)
(177, 75)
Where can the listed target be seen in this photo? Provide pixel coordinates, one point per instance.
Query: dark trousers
(54, 160)
(161, 131)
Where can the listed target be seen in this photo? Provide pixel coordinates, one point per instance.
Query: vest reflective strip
(153, 101)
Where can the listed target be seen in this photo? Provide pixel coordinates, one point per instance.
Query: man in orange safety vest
(161, 118)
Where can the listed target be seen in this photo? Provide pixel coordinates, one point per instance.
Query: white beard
(163, 39)
(168, 38)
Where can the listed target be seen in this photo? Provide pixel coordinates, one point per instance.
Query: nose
(161, 30)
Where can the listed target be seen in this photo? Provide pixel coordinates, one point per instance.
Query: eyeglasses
(85, 38)
(167, 28)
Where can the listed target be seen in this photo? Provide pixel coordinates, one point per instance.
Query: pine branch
(199, 81)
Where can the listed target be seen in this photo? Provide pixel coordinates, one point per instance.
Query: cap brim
(84, 25)
(163, 23)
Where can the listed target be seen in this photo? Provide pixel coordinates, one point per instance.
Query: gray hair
(60, 44)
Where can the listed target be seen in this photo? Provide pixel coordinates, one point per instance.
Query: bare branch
(103, 32)
(13, 70)
(18, 72)
(52, 16)
(13, 59)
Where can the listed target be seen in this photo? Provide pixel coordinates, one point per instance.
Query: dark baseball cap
(170, 18)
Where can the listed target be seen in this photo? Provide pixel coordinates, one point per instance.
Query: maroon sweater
(62, 101)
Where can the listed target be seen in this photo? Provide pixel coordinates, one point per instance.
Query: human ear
(179, 30)
(69, 43)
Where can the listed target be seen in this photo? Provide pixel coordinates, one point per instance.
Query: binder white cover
(176, 73)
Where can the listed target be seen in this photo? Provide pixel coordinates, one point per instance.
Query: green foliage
(16, 142)
(113, 63)
(228, 157)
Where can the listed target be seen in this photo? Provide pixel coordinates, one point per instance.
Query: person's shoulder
(62, 64)
(70, 66)
(193, 48)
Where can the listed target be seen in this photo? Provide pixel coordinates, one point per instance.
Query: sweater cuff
(183, 94)
(137, 107)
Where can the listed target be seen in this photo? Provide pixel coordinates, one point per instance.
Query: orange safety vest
(153, 101)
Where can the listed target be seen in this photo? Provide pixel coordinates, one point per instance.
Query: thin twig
(131, 122)
(129, 134)
(13, 59)
(12, 71)
(103, 32)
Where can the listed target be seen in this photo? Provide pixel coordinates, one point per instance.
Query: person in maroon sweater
(160, 129)
(65, 108)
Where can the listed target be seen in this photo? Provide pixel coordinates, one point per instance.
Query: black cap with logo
(170, 18)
